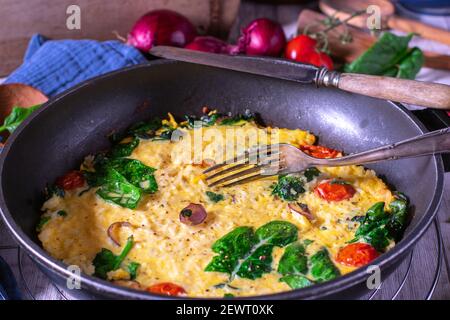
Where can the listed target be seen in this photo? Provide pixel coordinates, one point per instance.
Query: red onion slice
(193, 214)
(302, 209)
(113, 230)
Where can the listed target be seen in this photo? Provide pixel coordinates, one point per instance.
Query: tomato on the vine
(304, 49)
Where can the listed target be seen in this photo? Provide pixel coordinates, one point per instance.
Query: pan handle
(426, 144)
(427, 94)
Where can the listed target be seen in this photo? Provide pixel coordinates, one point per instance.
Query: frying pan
(76, 123)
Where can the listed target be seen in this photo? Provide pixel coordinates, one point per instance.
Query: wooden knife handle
(427, 94)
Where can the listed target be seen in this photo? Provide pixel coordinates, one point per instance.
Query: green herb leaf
(62, 213)
(119, 191)
(296, 281)
(228, 295)
(288, 188)
(16, 117)
(137, 173)
(311, 173)
(42, 222)
(398, 217)
(248, 254)
(53, 190)
(214, 197)
(132, 269)
(293, 260)
(322, 268)
(121, 150)
(106, 261)
(389, 56)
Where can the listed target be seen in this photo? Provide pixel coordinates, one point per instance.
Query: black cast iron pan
(57, 137)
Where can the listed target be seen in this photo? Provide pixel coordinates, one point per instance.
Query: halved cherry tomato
(166, 288)
(319, 151)
(303, 49)
(356, 254)
(334, 190)
(71, 180)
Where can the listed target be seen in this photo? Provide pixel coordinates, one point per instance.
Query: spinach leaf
(288, 188)
(53, 190)
(61, 213)
(311, 173)
(214, 197)
(42, 221)
(16, 117)
(296, 281)
(230, 248)
(118, 190)
(238, 119)
(389, 56)
(379, 227)
(293, 260)
(106, 261)
(248, 254)
(132, 269)
(398, 217)
(137, 173)
(228, 295)
(121, 150)
(322, 268)
(145, 130)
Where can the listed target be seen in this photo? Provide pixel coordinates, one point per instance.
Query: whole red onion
(161, 27)
(208, 44)
(262, 37)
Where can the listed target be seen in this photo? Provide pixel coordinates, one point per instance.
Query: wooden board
(361, 41)
(19, 19)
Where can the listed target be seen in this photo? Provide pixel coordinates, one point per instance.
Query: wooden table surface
(416, 273)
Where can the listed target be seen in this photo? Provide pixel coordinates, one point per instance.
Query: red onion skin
(262, 37)
(161, 27)
(208, 44)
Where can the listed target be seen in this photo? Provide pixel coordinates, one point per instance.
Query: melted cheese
(170, 251)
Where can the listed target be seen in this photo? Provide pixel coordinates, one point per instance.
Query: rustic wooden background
(424, 259)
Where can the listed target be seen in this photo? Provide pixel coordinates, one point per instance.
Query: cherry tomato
(166, 288)
(334, 190)
(71, 180)
(300, 47)
(303, 49)
(356, 254)
(321, 59)
(319, 151)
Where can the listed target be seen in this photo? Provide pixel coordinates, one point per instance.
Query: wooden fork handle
(427, 94)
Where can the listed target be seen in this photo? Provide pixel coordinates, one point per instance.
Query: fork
(270, 160)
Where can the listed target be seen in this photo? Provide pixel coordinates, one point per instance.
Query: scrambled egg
(170, 251)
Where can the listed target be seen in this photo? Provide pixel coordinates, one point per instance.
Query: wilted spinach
(322, 268)
(214, 197)
(106, 261)
(379, 227)
(296, 281)
(122, 149)
(137, 173)
(118, 190)
(248, 254)
(389, 56)
(132, 269)
(42, 221)
(311, 173)
(289, 187)
(293, 260)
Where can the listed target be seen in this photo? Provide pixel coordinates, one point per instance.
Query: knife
(427, 94)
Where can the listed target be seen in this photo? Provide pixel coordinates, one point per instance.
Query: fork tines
(253, 164)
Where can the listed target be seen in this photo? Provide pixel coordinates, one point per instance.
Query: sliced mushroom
(193, 214)
(302, 209)
(114, 228)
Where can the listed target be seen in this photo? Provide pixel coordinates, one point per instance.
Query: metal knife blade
(270, 67)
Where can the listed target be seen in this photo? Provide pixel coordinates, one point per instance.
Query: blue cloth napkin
(53, 66)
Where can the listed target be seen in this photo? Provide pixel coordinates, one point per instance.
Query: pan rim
(43, 259)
